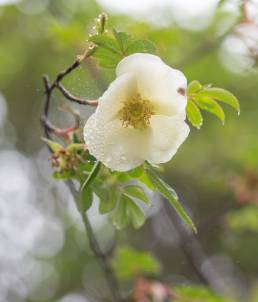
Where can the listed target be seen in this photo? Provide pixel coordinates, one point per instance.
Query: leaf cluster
(129, 263)
(207, 98)
(110, 49)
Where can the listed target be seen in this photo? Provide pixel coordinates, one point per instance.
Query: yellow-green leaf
(222, 95)
(210, 105)
(194, 114)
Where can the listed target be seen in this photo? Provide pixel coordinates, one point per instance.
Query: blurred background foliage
(44, 251)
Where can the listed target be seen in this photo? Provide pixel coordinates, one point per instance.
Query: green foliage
(107, 198)
(127, 210)
(200, 293)
(210, 105)
(170, 195)
(54, 146)
(194, 115)
(120, 217)
(25, 38)
(244, 219)
(137, 192)
(129, 263)
(93, 174)
(207, 98)
(85, 199)
(110, 49)
(117, 195)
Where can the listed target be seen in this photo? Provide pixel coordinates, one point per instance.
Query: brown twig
(75, 99)
(49, 88)
(49, 128)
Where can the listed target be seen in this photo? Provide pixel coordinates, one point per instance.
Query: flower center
(136, 113)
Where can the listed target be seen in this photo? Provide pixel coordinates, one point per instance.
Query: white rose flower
(140, 116)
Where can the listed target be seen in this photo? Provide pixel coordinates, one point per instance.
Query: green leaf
(123, 39)
(244, 219)
(193, 114)
(141, 46)
(137, 192)
(195, 293)
(122, 177)
(170, 195)
(222, 95)
(210, 105)
(133, 211)
(119, 216)
(125, 210)
(108, 199)
(146, 181)
(64, 175)
(193, 87)
(109, 51)
(136, 172)
(129, 263)
(85, 199)
(106, 42)
(94, 172)
(55, 147)
(106, 58)
(75, 147)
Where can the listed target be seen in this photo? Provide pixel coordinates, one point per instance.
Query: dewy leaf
(193, 114)
(193, 87)
(170, 195)
(133, 211)
(94, 172)
(137, 192)
(123, 39)
(141, 46)
(106, 42)
(106, 58)
(210, 105)
(223, 96)
(120, 217)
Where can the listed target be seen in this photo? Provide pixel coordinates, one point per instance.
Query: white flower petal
(123, 88)
(168, 133)
(119, 148)
(156, 82)
(123, 148)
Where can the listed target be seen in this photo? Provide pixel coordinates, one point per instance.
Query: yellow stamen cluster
(136, 113)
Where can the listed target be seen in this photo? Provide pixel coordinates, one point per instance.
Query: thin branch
(100, 256)
(75, 99)
(102, 259)
(48, 128)
(196, 256)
